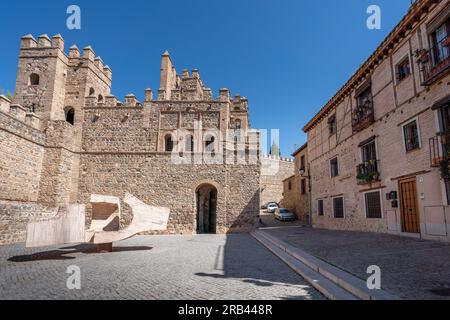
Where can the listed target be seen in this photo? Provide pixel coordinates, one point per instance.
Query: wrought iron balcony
(367, 172)
(435, 62)
(363, 116)
(440, 148)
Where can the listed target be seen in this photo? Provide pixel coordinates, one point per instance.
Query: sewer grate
(441, 292)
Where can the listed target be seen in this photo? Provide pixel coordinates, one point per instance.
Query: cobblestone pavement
(410, 268)
(153, 267)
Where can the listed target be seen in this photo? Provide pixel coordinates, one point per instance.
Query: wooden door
(409, 206)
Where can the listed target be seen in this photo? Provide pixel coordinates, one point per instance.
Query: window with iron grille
(411, 136)
(303, 186)
(403, 69)
(373, 205)
(334, 167)
(320, 210)
(369, 151)
(338, 207)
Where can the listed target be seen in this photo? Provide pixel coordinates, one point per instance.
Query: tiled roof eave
(408, 22)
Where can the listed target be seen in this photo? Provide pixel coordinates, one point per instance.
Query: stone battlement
(19, 113)
(273, 157)
(57, 43)
(239, 104)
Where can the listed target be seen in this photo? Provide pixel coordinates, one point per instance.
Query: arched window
(189, 147)
(91, 92)
(209, 144)
(168, 141)
(100, 98)
(70, 116)
(34, 79)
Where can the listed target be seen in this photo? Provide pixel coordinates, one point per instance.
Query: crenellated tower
(52, 84)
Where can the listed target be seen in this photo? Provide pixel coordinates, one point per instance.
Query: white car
(272, 207)
(283, 214)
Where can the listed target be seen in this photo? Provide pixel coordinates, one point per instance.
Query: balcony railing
(440, 148)
(436, 61)
(363, 116)
(367, 172)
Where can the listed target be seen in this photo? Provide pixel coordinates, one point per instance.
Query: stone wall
(273, 171)
(14, 217)
(155, 180)
(21, 155)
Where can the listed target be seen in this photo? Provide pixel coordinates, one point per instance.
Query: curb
(349, 283)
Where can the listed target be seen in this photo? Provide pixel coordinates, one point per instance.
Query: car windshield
(284, 211)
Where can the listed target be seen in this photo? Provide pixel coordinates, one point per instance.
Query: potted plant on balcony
(446, 42)
(444, 169)
(368, 177)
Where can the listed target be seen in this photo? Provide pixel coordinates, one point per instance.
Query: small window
(373, 205)
(290, 185)
(237, 131)
(369, 152)
(332, 125)
(91, 92)
(34, 79)
(320, 210)
(189, 147)
(302, 163)
(365, 97)
(70, 116)
(303, 186)
(411, 136)
(209, 144)
(403, 70)
(100, 98)
(338, 207)
(169, 143)
(334, 167)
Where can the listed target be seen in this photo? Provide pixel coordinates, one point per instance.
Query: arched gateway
(206, 209)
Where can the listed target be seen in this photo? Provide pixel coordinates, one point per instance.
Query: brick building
(65, 137)
(379, 149)
(296, 187)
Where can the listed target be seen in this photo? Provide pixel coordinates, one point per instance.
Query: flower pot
(446, 42)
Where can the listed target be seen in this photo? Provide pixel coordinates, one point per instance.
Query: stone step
(319, 282)
(339, 277)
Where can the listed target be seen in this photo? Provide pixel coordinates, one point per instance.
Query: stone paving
(154, 267)
(410, 268)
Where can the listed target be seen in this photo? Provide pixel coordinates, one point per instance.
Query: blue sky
(287, 56)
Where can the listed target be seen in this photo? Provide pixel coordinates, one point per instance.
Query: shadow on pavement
(62, 253)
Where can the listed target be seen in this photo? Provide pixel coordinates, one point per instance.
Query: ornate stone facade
(65, 137)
